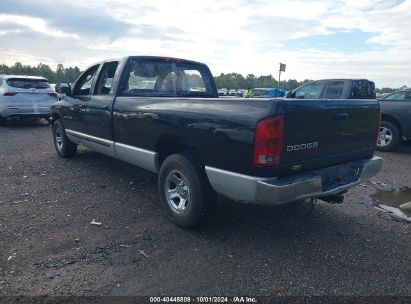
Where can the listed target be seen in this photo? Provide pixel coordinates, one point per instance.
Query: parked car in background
(232, 92)
(395, 120)
(241, 92)
(268, 93)
(335, 89)
(222, 92)
(25, 97)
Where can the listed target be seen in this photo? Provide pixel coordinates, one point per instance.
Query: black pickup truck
(164, 115)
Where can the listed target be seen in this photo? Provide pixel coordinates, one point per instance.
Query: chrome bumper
(277, 191)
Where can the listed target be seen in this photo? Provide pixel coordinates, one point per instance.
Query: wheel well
(393, 121)
(167, 147)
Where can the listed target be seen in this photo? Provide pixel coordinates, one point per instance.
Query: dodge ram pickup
(164, 115)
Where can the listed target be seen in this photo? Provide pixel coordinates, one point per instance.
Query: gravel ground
(49, 246)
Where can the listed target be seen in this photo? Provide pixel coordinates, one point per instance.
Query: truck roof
(165, 58)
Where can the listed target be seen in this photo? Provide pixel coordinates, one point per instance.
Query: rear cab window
(165, 78)
(28, 83)
(363, 89)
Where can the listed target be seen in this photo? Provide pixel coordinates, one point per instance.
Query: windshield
(27, 83)
(396, 96)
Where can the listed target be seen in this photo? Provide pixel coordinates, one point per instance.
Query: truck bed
(343, 129)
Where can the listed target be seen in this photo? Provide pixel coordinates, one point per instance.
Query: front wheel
(184, 191)
(389, 137)
(64, 147)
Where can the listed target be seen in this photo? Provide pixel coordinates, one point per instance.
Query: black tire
(194, 202)
(390, 137)
(64, 147)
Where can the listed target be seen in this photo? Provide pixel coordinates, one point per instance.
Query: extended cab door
(74, 118)
(99, 106)
(335, 89)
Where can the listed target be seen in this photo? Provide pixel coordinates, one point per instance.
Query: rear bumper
(277, 191)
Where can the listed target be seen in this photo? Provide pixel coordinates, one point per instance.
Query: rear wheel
(184, 191)
(389, 136)
(64, 147)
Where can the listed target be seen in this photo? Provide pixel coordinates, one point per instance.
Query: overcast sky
(316, 39)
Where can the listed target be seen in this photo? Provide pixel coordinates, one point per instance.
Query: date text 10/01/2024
(203, 299)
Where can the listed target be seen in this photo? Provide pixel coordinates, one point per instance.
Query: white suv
(25, 97)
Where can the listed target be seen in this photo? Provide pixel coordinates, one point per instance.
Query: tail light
(54, 94)
(268, 142)
(9, 93)
(379, 127)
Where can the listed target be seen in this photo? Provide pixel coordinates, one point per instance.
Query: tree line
(229, 81)
(238, 81)
(54, 76)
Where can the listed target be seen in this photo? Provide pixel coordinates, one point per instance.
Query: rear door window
(334, 90)
(27, 83)
(164, 78)
(310, 91)
(105, 78)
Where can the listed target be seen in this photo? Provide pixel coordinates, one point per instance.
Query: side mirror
(63, 88)
(290, 94)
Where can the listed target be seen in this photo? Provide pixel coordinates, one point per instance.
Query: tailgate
(325, 129)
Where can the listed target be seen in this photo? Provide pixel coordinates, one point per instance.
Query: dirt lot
(48, 246)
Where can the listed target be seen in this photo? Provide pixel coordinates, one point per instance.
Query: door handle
(124, 116)
(341, 116)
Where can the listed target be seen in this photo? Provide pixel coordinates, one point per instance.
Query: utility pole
(282, 69)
